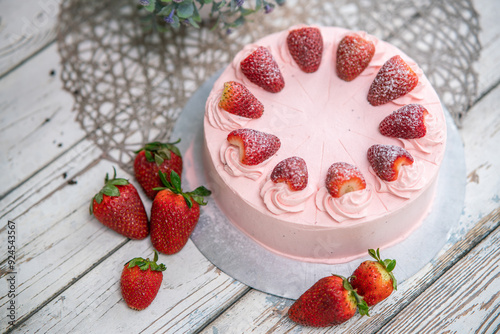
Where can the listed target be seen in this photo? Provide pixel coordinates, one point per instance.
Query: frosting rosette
(230, 158)
(279, 198)
(352, 205)
(410, 179)
(434, 136)
(219, 118)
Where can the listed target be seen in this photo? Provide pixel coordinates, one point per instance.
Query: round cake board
(238, 256)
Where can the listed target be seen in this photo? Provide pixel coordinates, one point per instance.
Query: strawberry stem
(159, 152)
(388, 265)
(110, 189)
(144, 264)
(362, 305)
(174, 185)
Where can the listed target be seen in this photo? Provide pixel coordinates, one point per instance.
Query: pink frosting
(323, 120)
(279, 198)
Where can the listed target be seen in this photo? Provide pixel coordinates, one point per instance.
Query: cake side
(323, 120)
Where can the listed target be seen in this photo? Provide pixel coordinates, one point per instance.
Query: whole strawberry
(174, 214)
(152, 158)
(374, 280)
(330, 301)
(140, 281)
(119, 206)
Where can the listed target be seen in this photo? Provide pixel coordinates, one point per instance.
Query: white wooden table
(67, 266)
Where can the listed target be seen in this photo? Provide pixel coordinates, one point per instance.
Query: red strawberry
(154, 157)
(237, 99)
(354, 53)
(261, 69)
(118, 206)
(386, 160)
(140, 281)
(174, 214)
(407, 122)
(394, 79)
(330, 301)
(255, 146)
(292, 171)
(374, 280)
(306, 47)
(342, 178)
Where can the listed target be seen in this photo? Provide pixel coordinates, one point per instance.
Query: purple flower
(169, 18)
(268, 8)
(144, 2)
(178, 1)
(240, 3)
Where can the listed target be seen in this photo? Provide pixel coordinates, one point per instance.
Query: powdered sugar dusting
(386, 159)
(292, 171)
(394, 79)
(257, 146)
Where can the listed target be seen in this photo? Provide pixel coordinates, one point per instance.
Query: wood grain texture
(466, 299)
(28, 28)
(37, 124)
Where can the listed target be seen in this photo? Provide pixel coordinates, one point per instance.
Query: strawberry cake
(321, 143)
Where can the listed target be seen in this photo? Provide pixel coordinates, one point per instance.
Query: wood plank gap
(24, 61)
(57, 157)
(484, 94)
(456, 253)
(20, 321)
(221, 311)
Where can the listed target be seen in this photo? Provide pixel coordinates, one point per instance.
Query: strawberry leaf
(390, 265)
(188, 199)
(175, 180)
(363, 307)
(158, 159)
(149, 156)
(110, 190)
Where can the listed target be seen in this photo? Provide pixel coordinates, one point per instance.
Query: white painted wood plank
(464, 300)
(36, 119)
(192, 292)
(25, 27)
(487, 65)
(57, 240)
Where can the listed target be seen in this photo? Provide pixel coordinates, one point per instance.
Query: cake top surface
(323, 120)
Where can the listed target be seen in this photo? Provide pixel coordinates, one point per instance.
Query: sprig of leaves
(171, 14)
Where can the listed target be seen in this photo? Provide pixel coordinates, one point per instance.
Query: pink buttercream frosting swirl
(435, 135)
(411, 178)
(279, 198)
(219, 118)
(230, 158)
(353, 205)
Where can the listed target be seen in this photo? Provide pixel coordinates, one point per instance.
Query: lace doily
(130, 86)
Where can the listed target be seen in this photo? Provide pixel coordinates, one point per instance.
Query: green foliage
(226, 14)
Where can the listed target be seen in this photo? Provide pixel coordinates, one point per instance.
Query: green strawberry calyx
(159, 152)
(362, 305)
(174, 185)
(387, 264)
(110, 189)
(144, 264)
